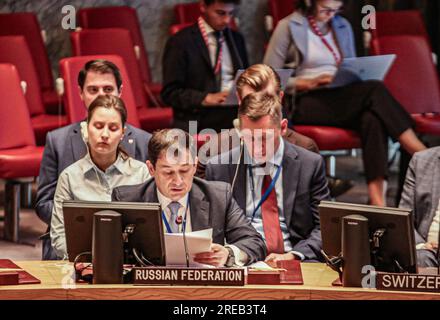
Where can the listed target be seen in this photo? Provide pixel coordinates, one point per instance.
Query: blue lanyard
(167, 224)
(266, 193)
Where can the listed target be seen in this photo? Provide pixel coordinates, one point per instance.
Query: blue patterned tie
(174, 209)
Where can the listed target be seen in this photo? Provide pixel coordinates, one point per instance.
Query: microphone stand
(185, 244)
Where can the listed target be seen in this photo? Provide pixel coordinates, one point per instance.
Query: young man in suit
(421, 194)
(277, 184)
(67, 145)
(193, 204)
(199, 66)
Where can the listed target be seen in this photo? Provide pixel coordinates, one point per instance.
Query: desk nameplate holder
(408, 282)
(182, 276)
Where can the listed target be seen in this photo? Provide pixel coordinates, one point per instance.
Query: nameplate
(408, 282)
(180, 276)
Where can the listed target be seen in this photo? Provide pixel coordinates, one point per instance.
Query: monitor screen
(396, 244)
(147, 237)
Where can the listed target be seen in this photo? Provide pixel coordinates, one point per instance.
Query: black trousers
(365, 107)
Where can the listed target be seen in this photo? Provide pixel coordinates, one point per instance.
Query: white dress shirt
(227, 66)
(254, 197)
(241, 257)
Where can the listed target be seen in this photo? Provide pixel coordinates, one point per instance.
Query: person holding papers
(314, 40)
(193, 204)
(199, 65)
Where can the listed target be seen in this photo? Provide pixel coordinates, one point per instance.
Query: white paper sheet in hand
(197, 241)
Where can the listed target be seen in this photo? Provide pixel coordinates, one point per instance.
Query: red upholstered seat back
(118, 17)
(15, 124)
(190, 12)
(75, 109)
(406, 22)
(14, 50)
(112, 41)
(279, 9)
(26, 24)
(413, 78)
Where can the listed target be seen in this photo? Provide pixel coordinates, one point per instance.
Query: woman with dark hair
(313, 40)
(104, 167)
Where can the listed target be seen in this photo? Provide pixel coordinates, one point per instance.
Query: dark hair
(166, 138)
(100, 66)
(308, 7)
(209, 2)
(110, 101)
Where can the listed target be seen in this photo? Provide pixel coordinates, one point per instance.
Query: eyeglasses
(329, 11)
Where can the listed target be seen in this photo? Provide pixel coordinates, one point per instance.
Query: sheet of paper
(261, 265)
(197, 242)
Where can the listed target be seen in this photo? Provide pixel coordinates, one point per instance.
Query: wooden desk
(56, 284)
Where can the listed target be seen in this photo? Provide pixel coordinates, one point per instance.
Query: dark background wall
(157, 15)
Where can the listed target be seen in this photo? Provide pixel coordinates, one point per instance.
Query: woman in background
(313, 40)
(104, 167)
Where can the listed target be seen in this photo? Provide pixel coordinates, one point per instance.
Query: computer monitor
(397, 245)
(147, 237)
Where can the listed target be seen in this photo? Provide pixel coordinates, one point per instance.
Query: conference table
(57, 284)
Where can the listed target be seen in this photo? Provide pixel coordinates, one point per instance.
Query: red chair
(177, 27)
(14, 50)
(413, 79)
(190, 12)
(126, 18)
(330, 140)
(405, 22)
(19, 157)
(26, 24)
(75, 109)
(278, 9)
(118, 42)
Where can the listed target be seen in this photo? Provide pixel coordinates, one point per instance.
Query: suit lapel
(291, 167)
(240, 187)
(129, 143)
(200, 43)
(233, 51)
(150, 194)
(298, 29)
(79, 148)
(199, 209)
(435, 195)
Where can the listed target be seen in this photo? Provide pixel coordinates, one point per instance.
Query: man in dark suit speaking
(277, 184)
(67, 145)
(199, 65)
(193, 204)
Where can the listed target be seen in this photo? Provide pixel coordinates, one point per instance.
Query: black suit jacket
(64, 146)
(188, 75)
(304, 186)
(211, 206)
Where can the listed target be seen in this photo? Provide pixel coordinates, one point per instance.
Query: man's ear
(284, 126)
(281, 95)
(81, 93)
(120, 90)
(150, 168)
(202, 6)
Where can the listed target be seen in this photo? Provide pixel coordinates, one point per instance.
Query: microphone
(185, 244)
(236, 127)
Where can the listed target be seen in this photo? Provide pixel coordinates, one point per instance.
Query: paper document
(358, 69)
(197, 241)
